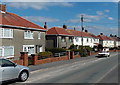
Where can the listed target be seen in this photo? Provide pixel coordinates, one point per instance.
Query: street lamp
(82, 27)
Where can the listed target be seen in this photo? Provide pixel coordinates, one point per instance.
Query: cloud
(99, 12)
(110, 18)
(38, 6)
(40, 19)
(106, 10)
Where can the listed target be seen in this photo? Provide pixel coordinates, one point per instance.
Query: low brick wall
(48, 60)
(19, 62)
(76, 56)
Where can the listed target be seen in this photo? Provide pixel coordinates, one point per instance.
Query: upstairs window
(39, 35)
(28, 35)
(6, 33)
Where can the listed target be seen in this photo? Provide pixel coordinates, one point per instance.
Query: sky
(98, 16)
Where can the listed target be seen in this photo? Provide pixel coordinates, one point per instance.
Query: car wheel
(23, 76)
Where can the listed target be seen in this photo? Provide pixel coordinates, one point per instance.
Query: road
(98, 70)
(89, 70)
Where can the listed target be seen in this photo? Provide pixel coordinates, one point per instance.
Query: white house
(89, 39)
(116, 41)
(106, 41)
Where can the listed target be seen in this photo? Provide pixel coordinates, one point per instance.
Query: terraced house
(58, 38)
(106, 41)
(89, 39)
(19, 35)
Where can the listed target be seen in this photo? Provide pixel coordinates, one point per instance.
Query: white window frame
(3, 52)
(27, 48)
(27, 35)
(2, 32)
(39, 35)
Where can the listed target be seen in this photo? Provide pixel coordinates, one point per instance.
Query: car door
(9, 70)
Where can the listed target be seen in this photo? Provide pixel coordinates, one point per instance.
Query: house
(57, 37)
(19, 35)
(106, 41)
(116, 41)
(89, 39)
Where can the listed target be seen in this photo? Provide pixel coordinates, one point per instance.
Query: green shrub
(56, 50)
(73, 46)
(43, 55)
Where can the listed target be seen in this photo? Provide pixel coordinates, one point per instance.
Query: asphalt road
(96, 70)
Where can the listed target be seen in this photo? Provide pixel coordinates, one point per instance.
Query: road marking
(106, 74)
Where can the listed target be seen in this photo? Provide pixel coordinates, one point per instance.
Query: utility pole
(82, 28)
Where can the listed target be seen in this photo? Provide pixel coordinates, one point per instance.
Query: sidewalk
(59, 63)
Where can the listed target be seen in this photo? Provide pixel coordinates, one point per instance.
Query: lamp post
(82, 28)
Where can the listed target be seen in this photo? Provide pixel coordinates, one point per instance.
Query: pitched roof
(79, 33)
(115, 38)
(57, 31)
(15, 20)
(74, 32)
(103, 37)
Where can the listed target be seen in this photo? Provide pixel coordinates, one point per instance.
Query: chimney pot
(65, 26)
(101, 33)
(3, 7)
(74, 28)
(86, 30)
(45, 26)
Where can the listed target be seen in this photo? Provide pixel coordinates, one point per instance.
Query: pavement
(60, 63)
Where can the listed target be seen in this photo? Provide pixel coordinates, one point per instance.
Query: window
(70, 39)
(63, 39)
(28, 35)
(6, 33)
(87, 39)
(29, 48)
(0, 51)
(39, 35)
(6, 63)
(76, 39)
(7, 51)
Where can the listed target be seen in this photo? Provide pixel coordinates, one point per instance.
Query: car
(104, 53)
(10, 70)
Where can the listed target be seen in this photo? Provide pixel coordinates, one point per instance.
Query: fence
(26, 60)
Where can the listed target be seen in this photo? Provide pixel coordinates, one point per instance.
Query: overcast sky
(98, 16)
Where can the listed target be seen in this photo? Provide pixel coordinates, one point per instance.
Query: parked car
(104, 53)
(10, 70)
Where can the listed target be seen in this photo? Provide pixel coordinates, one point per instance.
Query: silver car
(10, 70)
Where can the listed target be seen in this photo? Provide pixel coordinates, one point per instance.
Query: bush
(73, 46)
(43, 55)
(56, 50)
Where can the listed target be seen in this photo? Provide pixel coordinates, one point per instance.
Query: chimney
(74, 28)
(45, 26)
(65, 26)
(3, 7)
(101, 33)
(86, 30)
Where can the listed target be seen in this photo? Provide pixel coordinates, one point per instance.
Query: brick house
(57, 37)
(106, 41)
(19, 35)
